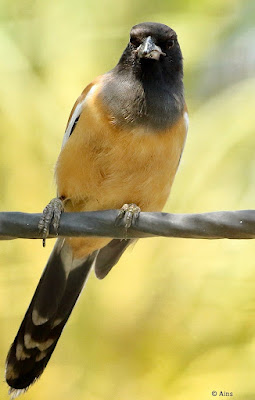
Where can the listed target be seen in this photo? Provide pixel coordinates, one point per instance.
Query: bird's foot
(51, 215)
(129, 213)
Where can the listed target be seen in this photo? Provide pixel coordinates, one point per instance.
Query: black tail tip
(14, 393)
(16, 388)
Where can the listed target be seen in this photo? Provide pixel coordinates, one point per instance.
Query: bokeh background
(176, 318)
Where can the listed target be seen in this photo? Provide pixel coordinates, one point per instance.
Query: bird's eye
(170, 43)
(134, 41)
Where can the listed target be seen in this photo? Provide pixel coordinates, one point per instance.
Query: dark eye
(134, 41)
(170, 43)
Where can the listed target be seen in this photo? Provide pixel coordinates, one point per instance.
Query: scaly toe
(51, 214)
(129, 213)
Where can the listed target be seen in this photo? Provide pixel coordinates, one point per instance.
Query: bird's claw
(51, 215)
(129, 213)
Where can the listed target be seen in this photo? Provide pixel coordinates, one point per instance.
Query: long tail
(49, 310)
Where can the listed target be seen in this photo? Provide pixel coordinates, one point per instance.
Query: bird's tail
(49, 310)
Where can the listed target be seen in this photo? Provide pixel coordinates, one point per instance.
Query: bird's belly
(106, 168)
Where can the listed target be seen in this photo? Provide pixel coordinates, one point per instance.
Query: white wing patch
(186, 119)
(76, 114)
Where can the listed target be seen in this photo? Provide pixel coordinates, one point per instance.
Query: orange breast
(103, 167)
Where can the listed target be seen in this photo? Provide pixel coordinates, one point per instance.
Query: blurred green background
(176, 318)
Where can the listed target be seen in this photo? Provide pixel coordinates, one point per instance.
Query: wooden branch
(211, 225)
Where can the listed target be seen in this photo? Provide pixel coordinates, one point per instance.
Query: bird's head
(152, 46)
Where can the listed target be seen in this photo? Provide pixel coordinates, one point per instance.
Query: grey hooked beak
(148, 49)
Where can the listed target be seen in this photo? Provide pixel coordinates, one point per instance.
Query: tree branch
(211, 225)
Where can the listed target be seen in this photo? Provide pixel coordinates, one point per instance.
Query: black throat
(144, 93)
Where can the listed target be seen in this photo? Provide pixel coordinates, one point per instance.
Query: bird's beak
(148, 49)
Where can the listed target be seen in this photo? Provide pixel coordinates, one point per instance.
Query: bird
(121, 149)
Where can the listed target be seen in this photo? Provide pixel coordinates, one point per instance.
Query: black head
(146, 86)
(153, 46)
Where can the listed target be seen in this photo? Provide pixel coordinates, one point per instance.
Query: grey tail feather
(55, 296)
(109, 255)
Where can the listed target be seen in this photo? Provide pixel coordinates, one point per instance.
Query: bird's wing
(77, 110)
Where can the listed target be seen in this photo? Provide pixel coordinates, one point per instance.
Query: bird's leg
(129, 213)
(51, 215)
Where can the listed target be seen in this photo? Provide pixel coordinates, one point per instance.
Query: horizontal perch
(211, 225)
